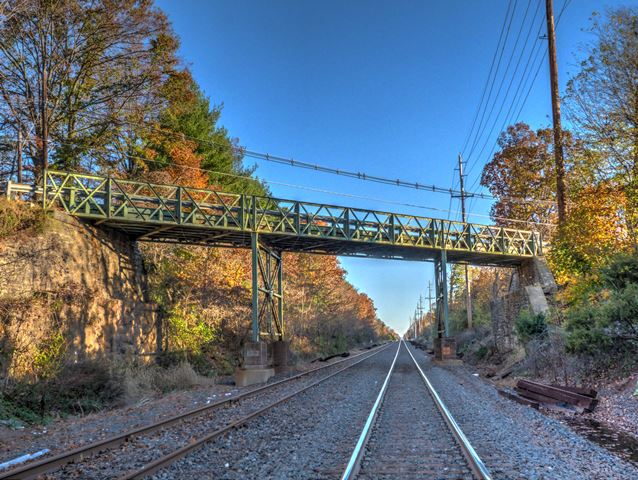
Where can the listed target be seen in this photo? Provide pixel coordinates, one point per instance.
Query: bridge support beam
(267, 291)
(444, 345)
(440, 274)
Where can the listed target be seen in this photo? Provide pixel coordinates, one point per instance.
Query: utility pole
(420, 313)
(430, 297)
(19, 160)
(430, 313)
(558, 132)
(468, 292)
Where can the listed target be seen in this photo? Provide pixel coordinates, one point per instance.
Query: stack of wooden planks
(535, 393)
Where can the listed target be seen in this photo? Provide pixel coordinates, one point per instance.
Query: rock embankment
(71, 279)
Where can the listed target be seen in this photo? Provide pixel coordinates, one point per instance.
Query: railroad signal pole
(468, 293)
(558, 132)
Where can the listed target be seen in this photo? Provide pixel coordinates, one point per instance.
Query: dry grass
(143, 381)
(16, 216)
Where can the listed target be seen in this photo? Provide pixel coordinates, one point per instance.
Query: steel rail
(355, 459)
(32, 470)
(172, 457)
(477, 466)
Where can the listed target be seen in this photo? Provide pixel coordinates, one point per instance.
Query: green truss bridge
(270, 226)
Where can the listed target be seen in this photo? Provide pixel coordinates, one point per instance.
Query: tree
(186, 139)
(602, 104)
(594, 231)
(521, 177)
(75, 74)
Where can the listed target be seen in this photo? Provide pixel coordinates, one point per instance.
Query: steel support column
(254, 244)
(267, 291)
(440, 273)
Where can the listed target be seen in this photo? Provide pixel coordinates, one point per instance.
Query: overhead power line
(347, 173)
(479, 129)
(511, 82)
(358, 175)
(487, 81)
(522, 91)
(332, 192)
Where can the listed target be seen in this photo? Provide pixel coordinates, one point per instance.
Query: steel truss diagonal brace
(440, 274)
(267, 290)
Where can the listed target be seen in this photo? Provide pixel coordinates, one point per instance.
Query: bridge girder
(270, 226)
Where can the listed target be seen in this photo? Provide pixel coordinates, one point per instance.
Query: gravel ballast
(410, 439)
(310, 436)
(115, 461)
(515, 441)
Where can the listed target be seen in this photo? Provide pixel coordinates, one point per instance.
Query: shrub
(188, 331)
(90, 386)
(530, 326)
(48, 357)
(608, 322)
(620, 272)
(545, 356)
(16, 216)
(138, 382)
(587, 328)
(483, 352)
(86, 386)
(181, 377)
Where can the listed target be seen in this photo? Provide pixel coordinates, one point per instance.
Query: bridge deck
(172, 214)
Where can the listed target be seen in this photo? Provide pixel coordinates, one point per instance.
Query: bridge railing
(110, 198)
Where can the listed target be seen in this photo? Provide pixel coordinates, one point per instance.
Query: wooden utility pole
(430, 297)
(19, 159)
(468, 292)
(420, 314)
(558, 132)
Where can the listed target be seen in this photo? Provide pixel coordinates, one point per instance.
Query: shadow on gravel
(620, 444)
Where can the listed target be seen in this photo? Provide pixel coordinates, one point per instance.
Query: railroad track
(410, 433)
(173, 446)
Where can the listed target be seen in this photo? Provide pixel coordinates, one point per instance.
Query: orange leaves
(522, 168)
(320, 305)
(595, 229)
(186, 164)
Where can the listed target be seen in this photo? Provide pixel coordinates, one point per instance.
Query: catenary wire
(323, 169)
(330, 192)
(487, 80)
(489, 96)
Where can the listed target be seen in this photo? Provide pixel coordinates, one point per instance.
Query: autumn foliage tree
(100, 80)
(600, 234)
(205, 298)
(521, 177)
(187, 142)
(76, 75)
(602, 103)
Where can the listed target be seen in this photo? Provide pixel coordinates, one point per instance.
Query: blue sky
(387, 88)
